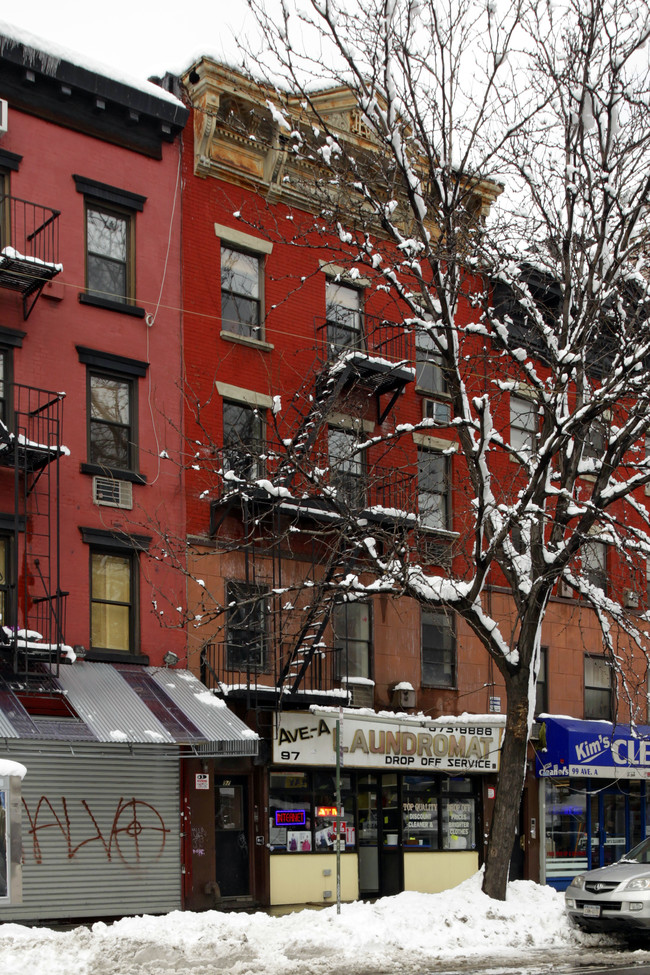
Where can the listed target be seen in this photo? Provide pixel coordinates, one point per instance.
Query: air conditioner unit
(630, 599)
(403, 697)
(361, 695)
(4, 116)
(112, 493)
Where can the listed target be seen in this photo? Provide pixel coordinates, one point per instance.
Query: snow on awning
(125, 703)
(592, 749)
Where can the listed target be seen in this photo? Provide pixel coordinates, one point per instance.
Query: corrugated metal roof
(105, 702)
(143, 705)
(208, 713)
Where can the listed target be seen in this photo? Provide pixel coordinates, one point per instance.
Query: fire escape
(31, 601)
(291, 509)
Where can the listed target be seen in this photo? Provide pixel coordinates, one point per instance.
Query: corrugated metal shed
(134, 705)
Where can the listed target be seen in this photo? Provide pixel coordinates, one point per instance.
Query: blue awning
(592, 749)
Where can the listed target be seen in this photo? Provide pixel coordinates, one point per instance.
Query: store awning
(569, 747)
(124, 703)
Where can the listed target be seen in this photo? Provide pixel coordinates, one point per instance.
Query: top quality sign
(369, 742)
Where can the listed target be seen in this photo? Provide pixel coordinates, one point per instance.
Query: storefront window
(325, 811)
(566, 830)
(290, 815)
(420, 809)
(438, 813)
(302, 812)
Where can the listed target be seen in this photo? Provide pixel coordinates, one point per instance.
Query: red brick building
(266, 303)
(91, 409)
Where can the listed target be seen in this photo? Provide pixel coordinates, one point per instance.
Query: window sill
(120, 306)
(438, 687)
(96, 470)
(244, 340)
(444, 534)
(117, 657)
(430, 394)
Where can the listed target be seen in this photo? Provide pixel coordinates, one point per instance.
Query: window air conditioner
(4, 116)
(112, 493)
(403, 697)
(631, 599)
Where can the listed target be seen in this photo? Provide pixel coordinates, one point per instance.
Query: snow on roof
(56, 53)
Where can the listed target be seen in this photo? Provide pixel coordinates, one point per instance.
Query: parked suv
(612, 898)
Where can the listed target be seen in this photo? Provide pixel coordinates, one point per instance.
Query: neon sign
(290, 817)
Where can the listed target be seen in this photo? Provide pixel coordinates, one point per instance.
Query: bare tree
(506, 164)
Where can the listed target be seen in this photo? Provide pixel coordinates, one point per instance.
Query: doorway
(232, 866)
(380, 835)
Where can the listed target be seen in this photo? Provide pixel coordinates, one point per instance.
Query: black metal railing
(244, 473)
(29, 232)
(377, 337)
(224, 667)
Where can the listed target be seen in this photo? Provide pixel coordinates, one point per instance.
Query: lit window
(598, 688)
(241, 305)
(433, 489)
(438, 649)
(351, 626)
(343, 311)
(112, 601)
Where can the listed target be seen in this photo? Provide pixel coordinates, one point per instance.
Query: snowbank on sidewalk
(408, 933)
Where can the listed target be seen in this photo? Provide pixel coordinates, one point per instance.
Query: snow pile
(411, 933)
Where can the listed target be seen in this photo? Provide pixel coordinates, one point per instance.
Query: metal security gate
(100, 829)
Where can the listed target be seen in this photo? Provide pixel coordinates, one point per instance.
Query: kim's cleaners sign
(593, 749)
(373, 743)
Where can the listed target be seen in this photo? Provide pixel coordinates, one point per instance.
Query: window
(438, 813)
(347, 468)
(524, 425)
(241, 305)
(351, 628)
(246, 628)
(594, 564)
(111, 439)
(430, 378)
(112, 411)
(598, 688)
(343, 312)
(438, 649)
(112, 601)
(541, 691)
(243, 440)
(110, 214)
(302, 808)
(9, 162)
(108, 254)
(595, 443)
(433, 489)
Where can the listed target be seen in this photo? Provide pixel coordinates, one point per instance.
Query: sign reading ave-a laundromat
(374, 742)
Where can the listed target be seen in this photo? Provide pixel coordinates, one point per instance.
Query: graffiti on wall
(128, 838)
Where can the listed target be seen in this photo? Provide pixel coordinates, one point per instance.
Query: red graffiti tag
(134, 822)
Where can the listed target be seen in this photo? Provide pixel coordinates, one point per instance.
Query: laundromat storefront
(411, 798)
(594, 803)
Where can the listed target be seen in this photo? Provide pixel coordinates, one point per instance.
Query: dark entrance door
(380, 835)
(231, 836)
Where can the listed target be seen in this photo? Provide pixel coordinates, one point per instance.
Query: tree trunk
(510, 786)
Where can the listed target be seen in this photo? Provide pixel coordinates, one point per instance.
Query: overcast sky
(138, 37)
